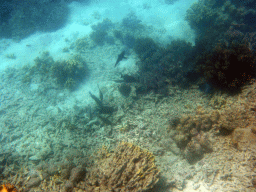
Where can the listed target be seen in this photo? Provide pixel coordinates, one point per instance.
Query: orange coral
(8, 188)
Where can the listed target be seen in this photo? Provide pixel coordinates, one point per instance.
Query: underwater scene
(127, 95)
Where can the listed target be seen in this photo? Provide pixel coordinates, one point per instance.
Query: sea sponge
(129, 168)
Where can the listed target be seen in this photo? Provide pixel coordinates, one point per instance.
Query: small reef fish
(120, 58)
(104, 109)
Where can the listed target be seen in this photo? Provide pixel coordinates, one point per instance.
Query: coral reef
(161, 66)
(129, 168)
(225, 44)
(118, 34)
(125, 89)
(246, 3)
(105, 25)
(100, 35)
(184, 128)
(229, 66)
(210, 19)
(127, 38)
(145, 48)
(131, 22)
(223, 48)
(193, 132)
(80, 45)
(65, 74)
(69, 73)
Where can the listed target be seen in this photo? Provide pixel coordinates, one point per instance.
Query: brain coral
(129, 168)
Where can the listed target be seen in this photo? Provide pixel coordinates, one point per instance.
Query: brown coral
(129, 168)
(190, 125)
(196, 148)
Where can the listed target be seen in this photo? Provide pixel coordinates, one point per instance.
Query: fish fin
(95, 99)
(100, 93)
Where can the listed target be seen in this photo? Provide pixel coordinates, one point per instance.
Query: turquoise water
(127, 95)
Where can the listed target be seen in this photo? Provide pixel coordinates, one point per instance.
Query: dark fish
(89, 111)
(99, 102)
(101, 94)
(120, 58)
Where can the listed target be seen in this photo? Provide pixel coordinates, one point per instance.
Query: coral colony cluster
(157, 107)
